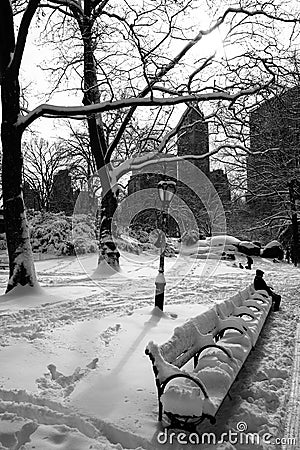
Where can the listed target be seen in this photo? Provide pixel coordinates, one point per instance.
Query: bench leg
(160, 409)
(196, 358)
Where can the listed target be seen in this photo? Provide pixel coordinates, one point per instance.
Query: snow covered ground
(73, 370)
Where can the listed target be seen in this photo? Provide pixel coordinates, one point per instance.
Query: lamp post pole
(166, 190)
(160, 281)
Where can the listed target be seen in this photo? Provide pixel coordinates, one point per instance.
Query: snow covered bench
(218, 341)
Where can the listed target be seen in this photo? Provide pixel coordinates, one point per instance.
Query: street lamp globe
(166, 191)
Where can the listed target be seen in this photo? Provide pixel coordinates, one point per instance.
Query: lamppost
(166, 191)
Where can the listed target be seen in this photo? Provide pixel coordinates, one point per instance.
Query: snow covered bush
(128, 244)
(58, 234)
(171, 248)
(190, 237)
(52, 233)
(140, 235)
(139, 240)
(84, 234)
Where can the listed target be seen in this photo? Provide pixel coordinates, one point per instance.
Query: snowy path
(76, 297)
(82, 321)
(292, 427)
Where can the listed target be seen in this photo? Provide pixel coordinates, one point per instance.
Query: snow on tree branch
(73, 111)
(152, 158)
(273, 13)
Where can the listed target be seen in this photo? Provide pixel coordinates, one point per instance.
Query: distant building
(31, 197)
(221, 184)
(193, 139)
(275, 130)
(62, 197)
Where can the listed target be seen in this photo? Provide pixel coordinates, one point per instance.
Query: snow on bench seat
(219, 341)
(252, 312)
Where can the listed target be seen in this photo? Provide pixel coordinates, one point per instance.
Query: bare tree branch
(14, 67)
(70, 111)
(165, 69)
(72, 4)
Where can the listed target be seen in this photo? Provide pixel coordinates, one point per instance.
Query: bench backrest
(225, 309)
(182, 346)
(207, 322)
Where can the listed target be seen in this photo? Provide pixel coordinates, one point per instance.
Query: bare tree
(42, 161)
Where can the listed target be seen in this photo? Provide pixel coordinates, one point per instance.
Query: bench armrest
(227, 324)
(161, 368)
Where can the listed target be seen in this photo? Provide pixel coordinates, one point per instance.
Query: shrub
(190, 237)
(58, 234)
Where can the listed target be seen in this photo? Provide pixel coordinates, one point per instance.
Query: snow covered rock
(248, 248)
(273, 250)
(222, 240)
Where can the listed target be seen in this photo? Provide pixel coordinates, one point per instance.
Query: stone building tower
(62, 197)
(193, 138)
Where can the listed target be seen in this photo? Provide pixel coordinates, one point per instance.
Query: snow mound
(27, 296)
(272, 244)
(17, 432)
(104, 270)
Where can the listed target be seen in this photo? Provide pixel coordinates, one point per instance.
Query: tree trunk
(295, 245)
(108, 251)
(21, 266)
(107, 247)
